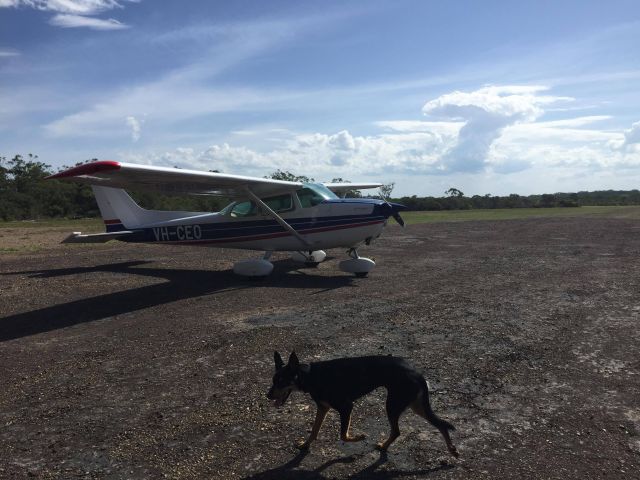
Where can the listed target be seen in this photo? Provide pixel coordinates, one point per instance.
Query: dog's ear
(293, 360)
(278, 359)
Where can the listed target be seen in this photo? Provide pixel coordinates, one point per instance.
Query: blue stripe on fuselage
(250, 228)
(245, 229)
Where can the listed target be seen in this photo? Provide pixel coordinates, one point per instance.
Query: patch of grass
(517, 213)
(21, 249)
(81, 224)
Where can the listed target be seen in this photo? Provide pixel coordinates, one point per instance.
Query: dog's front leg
(321, 413)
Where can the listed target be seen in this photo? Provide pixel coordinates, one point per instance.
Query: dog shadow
(291, 471)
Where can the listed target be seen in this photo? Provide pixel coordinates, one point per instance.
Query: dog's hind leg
(345, 424)
(422, 407)
(321, 413)
(396, 404)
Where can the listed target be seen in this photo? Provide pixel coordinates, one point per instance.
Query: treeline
(462, 202)
(26, 195)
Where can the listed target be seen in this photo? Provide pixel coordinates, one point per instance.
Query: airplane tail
(120, 212)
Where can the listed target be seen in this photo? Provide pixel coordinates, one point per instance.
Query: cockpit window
(314, 193)
(243, 209)
(279, 203)
(308, 198)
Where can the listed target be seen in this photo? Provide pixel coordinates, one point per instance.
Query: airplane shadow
(179, 285)
(371, 472)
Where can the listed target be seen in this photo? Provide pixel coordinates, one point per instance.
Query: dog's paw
(381, 446)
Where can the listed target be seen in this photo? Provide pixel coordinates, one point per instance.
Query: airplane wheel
(361, 274)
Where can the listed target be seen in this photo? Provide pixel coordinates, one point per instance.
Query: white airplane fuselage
(330, 224)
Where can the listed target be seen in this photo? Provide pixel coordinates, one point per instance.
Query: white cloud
(443, 128)
(77, 7)
(567, 150)
(8, 52)
(492, 132)
(486, 113)
(632, 135)
(626, 141)
(79, 21)
(134, 125)
(74, 13)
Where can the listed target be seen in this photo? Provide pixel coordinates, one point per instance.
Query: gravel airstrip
(122, 361)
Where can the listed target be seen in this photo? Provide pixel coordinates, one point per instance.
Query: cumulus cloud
(626, 141)
(558, 146)
(322, 156)
(74, 13)
(493, 131)
(632, 136)
(486, 113)
(134, 125)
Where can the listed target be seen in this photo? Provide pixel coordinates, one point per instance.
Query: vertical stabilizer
(120, 212)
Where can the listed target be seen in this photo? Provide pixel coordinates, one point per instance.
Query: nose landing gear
(357, 265)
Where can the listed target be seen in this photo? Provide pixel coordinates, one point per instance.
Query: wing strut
(278, 218)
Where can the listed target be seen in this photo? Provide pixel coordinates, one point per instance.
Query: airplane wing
(345, 187)
(172, 180)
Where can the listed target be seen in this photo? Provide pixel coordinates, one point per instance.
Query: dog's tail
(436, 421)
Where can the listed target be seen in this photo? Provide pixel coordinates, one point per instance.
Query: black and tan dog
(338, 383)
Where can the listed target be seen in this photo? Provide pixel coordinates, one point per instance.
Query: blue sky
(488, 97)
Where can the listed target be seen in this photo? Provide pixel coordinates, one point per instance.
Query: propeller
(395, 210)
(398, 218)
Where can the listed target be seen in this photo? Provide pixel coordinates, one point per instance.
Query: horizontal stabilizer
(78, 237)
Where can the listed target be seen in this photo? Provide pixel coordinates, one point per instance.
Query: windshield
(313, 194)
(321, 190)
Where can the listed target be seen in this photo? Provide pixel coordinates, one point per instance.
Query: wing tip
(87, 169)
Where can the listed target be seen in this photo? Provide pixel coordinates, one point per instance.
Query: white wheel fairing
(253, 268)
(357, 265)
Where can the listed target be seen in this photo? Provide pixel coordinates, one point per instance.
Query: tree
(454, 192)
(385, 190)
(290, 177)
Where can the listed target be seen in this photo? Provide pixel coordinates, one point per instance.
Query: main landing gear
(357, 265)
(261, 267)
(254, 267)
(310, 258)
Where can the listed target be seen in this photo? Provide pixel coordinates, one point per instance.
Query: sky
(489, 97)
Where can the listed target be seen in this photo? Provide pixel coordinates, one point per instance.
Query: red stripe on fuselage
(111, 222)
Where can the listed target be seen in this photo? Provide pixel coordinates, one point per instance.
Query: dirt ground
(125, 361)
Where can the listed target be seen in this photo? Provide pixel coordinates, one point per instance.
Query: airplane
(267, 215)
